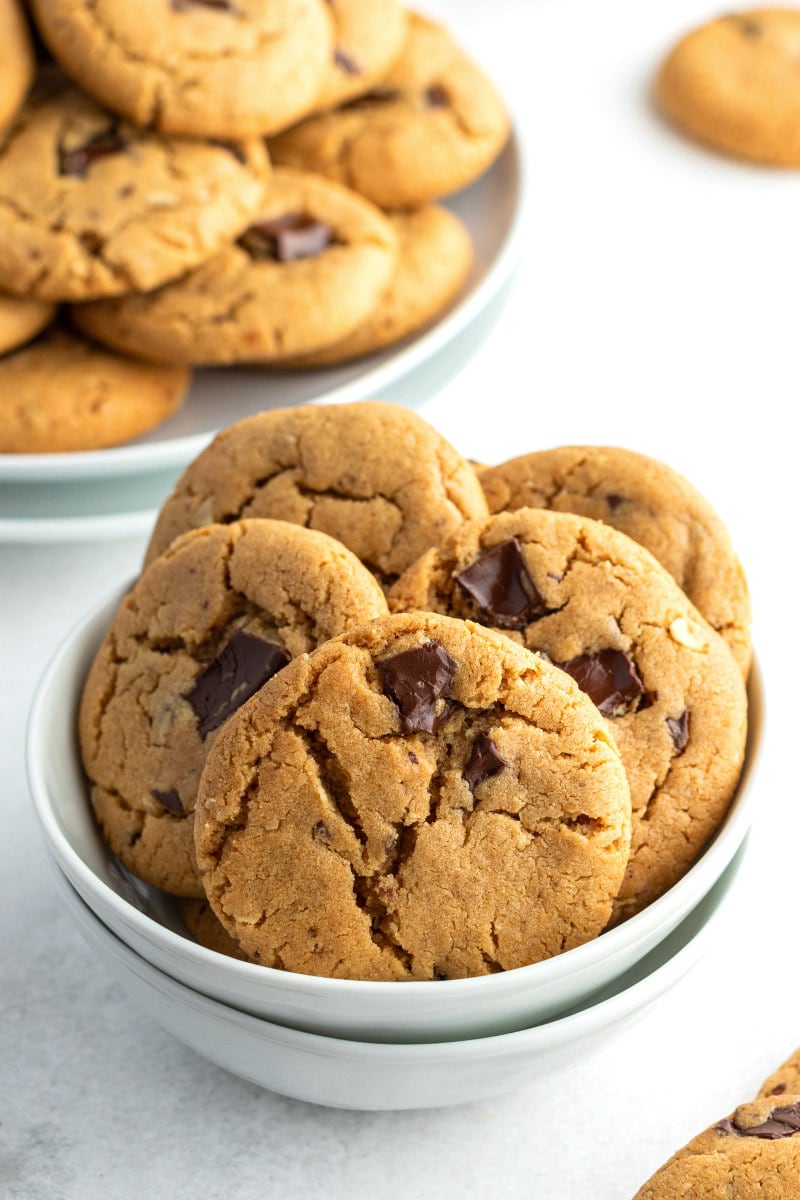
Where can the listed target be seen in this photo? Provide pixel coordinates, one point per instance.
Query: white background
(656, 307)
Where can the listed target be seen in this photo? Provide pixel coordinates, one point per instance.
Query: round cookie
(434, 259)
(433, 125)
(374, 475)
(306, 273)
(369, 36)
(413, 801)
(598, 605)
(785, 1079)
(90, 206)
(202, 68)
(17, 60)
(21, 320)
(205, 927)
(650, 502)
(752, 1155)
(218, 614)
(733, 84)
(61, 393)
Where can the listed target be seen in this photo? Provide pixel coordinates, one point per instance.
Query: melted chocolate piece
(781, 1123)
(437, 96)
(484, 761)
(613, 500)
(286, 238)
(171, 801)
(76, 163)
(501, 585)
(778, 1090)
(679, 731)
(245, 665)
(609, 678)
(415, 680)
(345, 63)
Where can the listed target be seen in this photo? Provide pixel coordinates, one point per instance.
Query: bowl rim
(584, 957)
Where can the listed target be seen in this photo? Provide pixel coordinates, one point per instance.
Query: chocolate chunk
(613, 500)
(609, 678)
(171, 801)
(484, 760)
(501, 585)
(415, 680)
(245, 665)
(286, 238)
(747, 26)
(376, 96)
(76, 163)
(413, 758)
(345, 63)
(781, 1123)
(778, 1090)
(679, 731)
(437, 96)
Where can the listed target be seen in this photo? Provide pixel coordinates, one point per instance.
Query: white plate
(491, 210)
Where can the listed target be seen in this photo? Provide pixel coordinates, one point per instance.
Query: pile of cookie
(373, 712)
(137, 190)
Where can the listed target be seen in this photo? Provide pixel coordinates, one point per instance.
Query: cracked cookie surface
(91, 206)
(600, 606)
(417, 799)
(432, 125)
(224, 609)
(21, 320)
(17, 60)
(650, 502)
(310, 269)
(221, 69)
(374, 475)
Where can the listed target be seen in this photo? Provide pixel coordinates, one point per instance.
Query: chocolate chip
(415, 680)
(321, 832)
(245, 665)
(76, 163)
(286, 238)
(778, 1090)
(413, 758)
(501, 585)
(749, 27)
(613, 500)
(679, 731)
(781, 1123)
(484, 760)
(437, 96)
(376, 96)
(171, 801)
(345, 63)
(609, 678)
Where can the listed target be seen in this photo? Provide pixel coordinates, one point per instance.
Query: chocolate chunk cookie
(417, 799)
(369, 36)
(90, 206)
(734, 85)
(432, 126)
(62, 393)
(205, 68)
(374, 475)
(206, 928)
(306, 273)
(600, 607)
(206, 625)
(21, 320)
(650, 502)
(17, 61)
(785, 1079)
(752, 1155)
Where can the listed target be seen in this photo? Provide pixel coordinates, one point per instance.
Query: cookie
(21, 320)
(206, 625)
(206, 928)
(306, 273)
(374, 475)
(434, 259)
(650, 502)
(61, 393)
(785, 1079)
(17, 60)
(203, 68)
(600, 606)
(417, 799)
(754, 1154)
(369, 36)
(733, 84)
(433, 125)
(90, 206)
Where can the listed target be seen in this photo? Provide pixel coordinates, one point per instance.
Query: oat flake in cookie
(600, 606)
(417, 799)
(206, 625)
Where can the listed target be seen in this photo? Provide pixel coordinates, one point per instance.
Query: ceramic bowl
(149, 922)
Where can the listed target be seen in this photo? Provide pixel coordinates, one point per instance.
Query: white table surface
(656, 307)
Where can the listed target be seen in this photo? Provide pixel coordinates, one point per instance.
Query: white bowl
(446, 1009)
(370, 1075)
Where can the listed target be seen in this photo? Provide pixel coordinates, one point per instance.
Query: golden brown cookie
(305, 274)
(368, 38)
(206, 625)
(62, 393)
(600, 607)
(90, 206)
(417, 799)
(734, 85)
(433, 125)
(650, 502)
(785, 1079)
(21, 320)
(206, 928)
(374, 475)
(17, 60)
